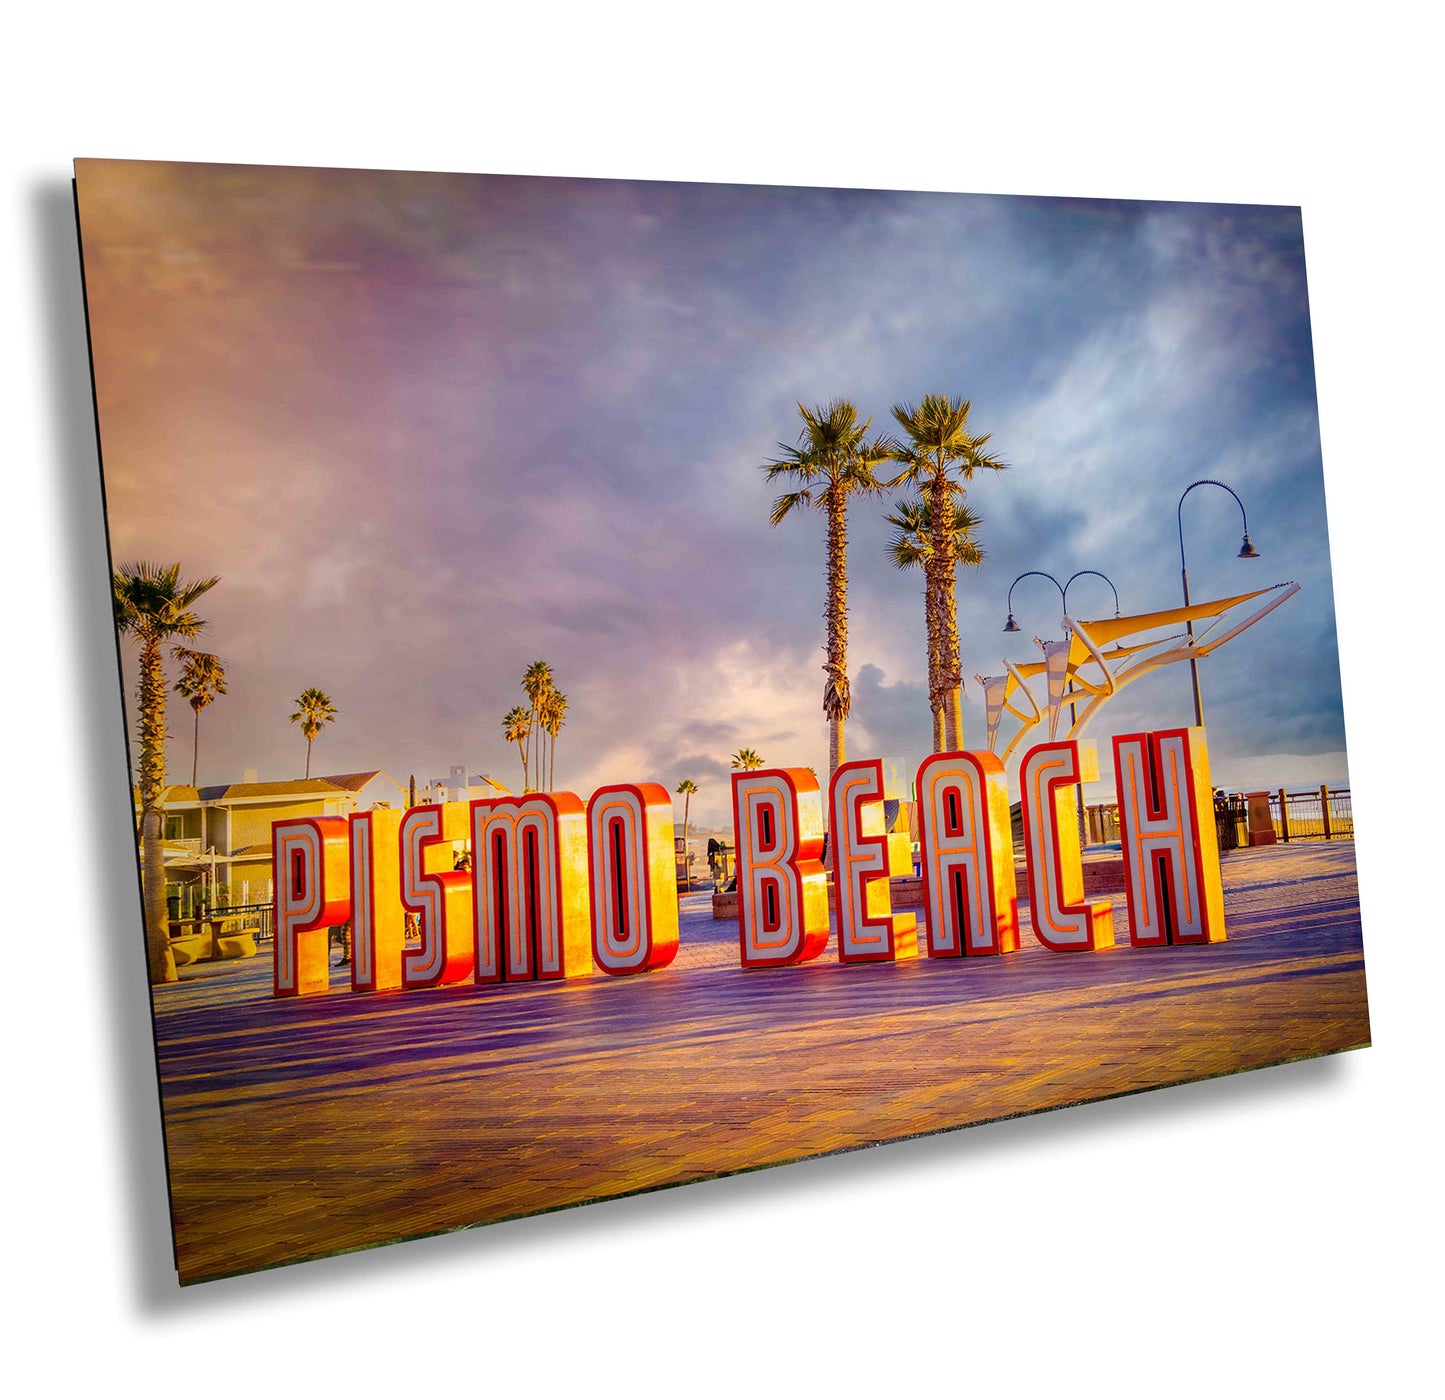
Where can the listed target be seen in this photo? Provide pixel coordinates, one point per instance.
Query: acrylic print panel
(577, 743)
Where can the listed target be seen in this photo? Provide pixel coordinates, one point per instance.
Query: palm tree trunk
(836, 698)
(152, 775)
(950, 676)
(196, 749)
(686, 868)
(308, 758)
(935, 695)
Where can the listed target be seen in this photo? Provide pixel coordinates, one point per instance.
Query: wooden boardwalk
(304, 1127)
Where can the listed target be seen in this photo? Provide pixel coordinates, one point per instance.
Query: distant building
(219, 838)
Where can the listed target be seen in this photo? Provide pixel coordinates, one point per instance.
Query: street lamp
(1096, 574)
(1246, 551)
(1012, 626)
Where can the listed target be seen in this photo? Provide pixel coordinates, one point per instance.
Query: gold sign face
(553, 890)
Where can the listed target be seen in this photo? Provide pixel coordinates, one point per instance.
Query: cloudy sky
(430, 428)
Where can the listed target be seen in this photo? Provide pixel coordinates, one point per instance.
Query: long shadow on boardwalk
(302, 1127)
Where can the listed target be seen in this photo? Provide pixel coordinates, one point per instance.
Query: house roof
(354, 782)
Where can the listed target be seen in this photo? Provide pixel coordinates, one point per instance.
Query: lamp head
(1011, 625)
(1247, 550)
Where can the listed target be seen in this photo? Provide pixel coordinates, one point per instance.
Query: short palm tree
(202, 679)
(747, 760)
(686, 787)
(313, 709)
(939, 458)
(153, 605)
(552, 715)
(517, 727)
(832, 461)
(911, 547)
(536, 682)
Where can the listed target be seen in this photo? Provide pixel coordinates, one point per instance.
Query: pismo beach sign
(558, 889)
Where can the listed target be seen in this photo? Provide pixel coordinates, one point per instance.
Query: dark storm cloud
(431, 428)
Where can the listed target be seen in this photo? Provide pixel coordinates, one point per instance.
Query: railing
(255, 914)
(1321, 814)
(1231, 821)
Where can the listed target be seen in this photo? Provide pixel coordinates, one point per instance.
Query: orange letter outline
(442, 899)
(868, 929)
(378, 922)
(631, 865)
(533, 905)
(1064, 920)
(782, 886)
(966, 849)
(1171, 845)
(311, 893)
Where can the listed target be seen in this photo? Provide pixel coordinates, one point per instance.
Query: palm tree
(313, 709)
(912, 546)
(552, 715)
(202, 679)
(686, 787)
(747, 760)
(536, 682)
(831, 462)
(939, 458)
(517, 728)
(153, 605)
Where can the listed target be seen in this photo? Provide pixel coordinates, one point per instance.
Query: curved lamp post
(1247, 551)
(1012, 626)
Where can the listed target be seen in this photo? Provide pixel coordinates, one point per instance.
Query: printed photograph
(630, 682)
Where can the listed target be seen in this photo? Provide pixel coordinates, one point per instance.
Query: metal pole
(1193, 660)
(1247, 552)
(1073, 718)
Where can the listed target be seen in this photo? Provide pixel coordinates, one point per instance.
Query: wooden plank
(299, 1127)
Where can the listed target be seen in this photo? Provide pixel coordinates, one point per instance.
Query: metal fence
(1322, 814)
(1231, 820)
(258, 915)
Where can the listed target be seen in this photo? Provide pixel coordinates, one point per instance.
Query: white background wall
(1261, 1234)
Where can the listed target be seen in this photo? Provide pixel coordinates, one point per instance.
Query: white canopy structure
(1086, 672)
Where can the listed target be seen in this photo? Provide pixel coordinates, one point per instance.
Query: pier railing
(1322, 814)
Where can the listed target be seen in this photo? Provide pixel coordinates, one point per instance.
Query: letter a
(868, 929)
(312, 895)
(1063, 919)
(782, 886)
(966, 845)
(1171, 846)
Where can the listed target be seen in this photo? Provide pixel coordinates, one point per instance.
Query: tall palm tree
(153, 605)
(832, 461)
(939, 457)
(313, 709)
(686, 787)
(912, 546)
(517, 728)
(202, 679)
(552, 715)
(536, 682)
(747, 760)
